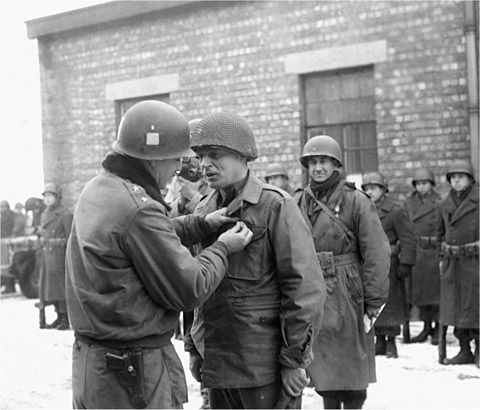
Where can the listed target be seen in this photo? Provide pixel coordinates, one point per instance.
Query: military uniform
(355, 265)
(128, 277)
(425, 280)
(457, 231)
(400, 235)
(267, 311)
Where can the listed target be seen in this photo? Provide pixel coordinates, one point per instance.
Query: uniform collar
(250, 193)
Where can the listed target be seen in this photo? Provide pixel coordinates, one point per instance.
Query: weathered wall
(231, 56)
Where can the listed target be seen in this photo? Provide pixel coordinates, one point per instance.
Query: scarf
(326, 188)
(133, 170)
(459, 196)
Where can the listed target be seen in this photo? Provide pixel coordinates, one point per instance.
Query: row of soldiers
(51, 223)
(434, 258)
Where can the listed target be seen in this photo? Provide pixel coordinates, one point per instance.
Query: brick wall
(231, 56)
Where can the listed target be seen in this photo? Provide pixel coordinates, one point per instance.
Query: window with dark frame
(341, 104)
(121, 106)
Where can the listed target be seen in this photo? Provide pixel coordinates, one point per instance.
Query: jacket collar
(469, 204)
(251, 192)
(51, 215)
(425, 207)
(385, 206)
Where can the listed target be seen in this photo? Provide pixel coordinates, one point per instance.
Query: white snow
(35, 368)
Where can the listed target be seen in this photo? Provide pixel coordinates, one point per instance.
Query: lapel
(250, 193)
(384, 207)
(469, 204)
(426, 207)
(51, 216)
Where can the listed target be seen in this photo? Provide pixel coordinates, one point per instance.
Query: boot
(380, 346)
(353, 404)
(205, 400)
(391, 348)
(42, 320)
(423, 335)
(331, 403)
(64, 323)
(464, 356)
(406, 332)
(434, 339)
(442, 343)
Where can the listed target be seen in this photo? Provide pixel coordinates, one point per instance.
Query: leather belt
(466, 250)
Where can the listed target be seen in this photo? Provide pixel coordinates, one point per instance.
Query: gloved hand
(404, 271)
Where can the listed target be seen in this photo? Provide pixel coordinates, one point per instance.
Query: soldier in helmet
(400, 235)
(55, 226)
(12, 225)
(457, 231)
(425, 280)
(353, 251)
(129, 273)
(277, 175)
(254, 336)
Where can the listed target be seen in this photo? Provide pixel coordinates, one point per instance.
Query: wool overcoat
(56, 223)
(399, 231)
(425, 281)
(355, 266)
(459, 283)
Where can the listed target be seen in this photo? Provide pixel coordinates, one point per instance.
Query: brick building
(395, 82)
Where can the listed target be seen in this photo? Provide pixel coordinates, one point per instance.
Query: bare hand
(294, 380)
(187, 188)
(217, 218)
(236, 238)
(196, 366)
(373, 311)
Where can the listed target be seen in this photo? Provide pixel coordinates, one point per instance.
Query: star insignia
(144, 199)
(136, 188)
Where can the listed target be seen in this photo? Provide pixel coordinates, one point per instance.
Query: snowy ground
(35, 370)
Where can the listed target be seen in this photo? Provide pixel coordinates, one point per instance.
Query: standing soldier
(457, 231)
(128, 273)
(277, 175)
(56, 224)
(400, 235)
(353, 251)
(425, 280)
(254, 336)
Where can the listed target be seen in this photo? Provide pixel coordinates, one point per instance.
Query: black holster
(129, 371)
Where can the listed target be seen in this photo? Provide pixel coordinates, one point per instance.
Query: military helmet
(375, 178)
(153, 130)
(192, 124)
(275, 169)
(52, 188)
(321, 145)
(225, 130)
(460, 166)
(423, 174)
(33, 203)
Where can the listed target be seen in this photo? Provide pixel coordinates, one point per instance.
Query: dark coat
(128, 274)
(459, 284)
(425, 281)
(55, 228)
(268, 309)
(398, 228)
(344, 353)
